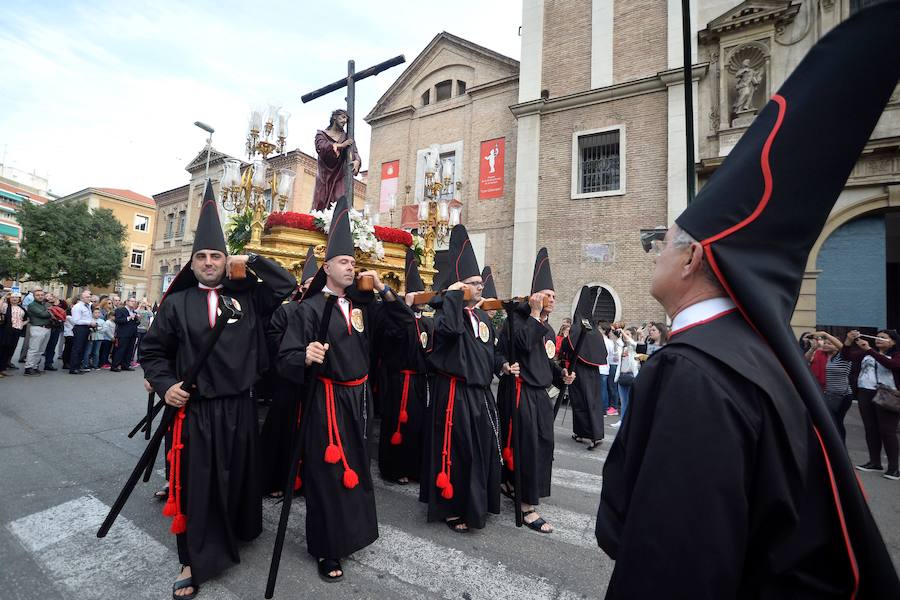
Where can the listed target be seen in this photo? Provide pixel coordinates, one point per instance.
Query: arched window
(443, 90)
(604, 301)
(426, 97)
(460, 87)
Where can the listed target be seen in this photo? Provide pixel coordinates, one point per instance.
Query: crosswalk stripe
(570, 527)
(577, 480)
(447, 572)
(126, 564)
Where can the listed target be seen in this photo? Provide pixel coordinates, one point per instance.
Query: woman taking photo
(657, 337)
(836, 392)
(879, 368)
(12, 326)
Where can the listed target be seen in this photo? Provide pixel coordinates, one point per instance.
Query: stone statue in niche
(747, 66)
(748, 79)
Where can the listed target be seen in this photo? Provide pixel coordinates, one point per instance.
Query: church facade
(591, 127)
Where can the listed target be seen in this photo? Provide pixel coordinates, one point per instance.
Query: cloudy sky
(105, 93)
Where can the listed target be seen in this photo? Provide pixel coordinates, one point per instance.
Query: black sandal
(185, 583)
(536, 524)
(162, 494)
(454, 525)
(508, 491)
(595, 444)
(577, 439)
(326, 566)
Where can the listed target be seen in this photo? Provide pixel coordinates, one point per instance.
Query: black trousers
(123, 353)
(9, 337)
(79, 339)
(50, 352)
(838, 405)
(881, 429)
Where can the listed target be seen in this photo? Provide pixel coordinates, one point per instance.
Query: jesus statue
(334, 148)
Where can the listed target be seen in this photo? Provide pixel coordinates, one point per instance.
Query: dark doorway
(603, 303)
(892, 268)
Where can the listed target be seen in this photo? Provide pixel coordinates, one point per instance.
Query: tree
(66, 242)
(9, 261)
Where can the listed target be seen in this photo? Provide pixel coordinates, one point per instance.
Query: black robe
(584, 393)
(220, 483)
(535, 350)
(464, 364)
(282, 420)
(702, 494)
(339, 520)
(403, 351)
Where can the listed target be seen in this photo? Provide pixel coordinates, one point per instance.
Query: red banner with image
(390, 183)
(491, 161)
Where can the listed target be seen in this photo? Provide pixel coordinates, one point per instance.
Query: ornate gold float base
(288, 246)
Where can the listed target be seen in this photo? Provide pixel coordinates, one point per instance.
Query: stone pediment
(751, 13)
(199, 161)
(443, 51)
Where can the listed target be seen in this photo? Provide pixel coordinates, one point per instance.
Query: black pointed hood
(542, 279)
(340, 239)
(490, 289)
(762, 211)
(310, 267)
(413, 281)
(463, 263)
(209, 235)
(593, 350)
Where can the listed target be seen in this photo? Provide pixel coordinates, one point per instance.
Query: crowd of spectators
(86, 333)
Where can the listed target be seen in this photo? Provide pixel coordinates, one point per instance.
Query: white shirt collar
(701, 311)
(328, 290)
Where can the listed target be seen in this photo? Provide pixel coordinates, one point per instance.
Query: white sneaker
(616, 424)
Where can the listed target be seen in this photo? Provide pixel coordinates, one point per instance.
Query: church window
(443, 90)
(598, 166)
(426, 98)
(460, 88)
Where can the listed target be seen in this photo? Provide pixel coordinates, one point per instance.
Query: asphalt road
(64, 455)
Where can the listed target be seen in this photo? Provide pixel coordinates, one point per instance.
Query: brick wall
(567, 46)
(639, 44)
(565, 225)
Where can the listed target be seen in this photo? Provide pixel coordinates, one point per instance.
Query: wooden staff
(425, 297)
(311, 377)
(515, 417)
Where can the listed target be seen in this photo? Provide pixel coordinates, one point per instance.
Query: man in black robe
(461, 465)
(283, 417)
(728, 479)
(337, 484)
(584, 395)
(535, 350)
(214, 493)
(403, 343)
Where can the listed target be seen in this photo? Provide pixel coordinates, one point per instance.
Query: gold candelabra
(259, 187)
(436, 216)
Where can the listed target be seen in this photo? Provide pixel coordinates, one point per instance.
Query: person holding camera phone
(836, 391)
(12, 327)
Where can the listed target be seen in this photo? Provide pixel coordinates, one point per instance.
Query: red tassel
(351, 479)
(298, 483)
(169, 508)
(442, 480)
(332, 454)
(397, 438)
(508, 458)
(447, 492)
(179, 524)
(404, 416)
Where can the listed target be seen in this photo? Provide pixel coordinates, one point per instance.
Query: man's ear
(694, 260)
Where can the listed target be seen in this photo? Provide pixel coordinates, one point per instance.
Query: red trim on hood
(458, 257)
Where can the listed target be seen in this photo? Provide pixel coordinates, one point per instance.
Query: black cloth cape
(282, 419)
(339, 520)
(219, 477)
(474, 441)
(399, 344)
(584, 393)
(535, 351)
(701, 497)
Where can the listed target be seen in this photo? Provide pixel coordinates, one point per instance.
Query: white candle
(423, 210)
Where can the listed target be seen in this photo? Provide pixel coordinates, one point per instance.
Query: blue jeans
(604, 392)
(94, 354)
(612, 387)
(624, 396)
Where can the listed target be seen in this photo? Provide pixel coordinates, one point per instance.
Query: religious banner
(390, 182)
(492, 157)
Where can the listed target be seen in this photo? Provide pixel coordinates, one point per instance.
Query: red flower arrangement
(304, 221)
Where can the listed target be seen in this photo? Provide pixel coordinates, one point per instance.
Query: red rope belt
(335, 452)
(173, 502)
(443, 482)
(403, 417)
(507, 452)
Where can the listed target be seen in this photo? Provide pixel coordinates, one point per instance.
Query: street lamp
(210, 131)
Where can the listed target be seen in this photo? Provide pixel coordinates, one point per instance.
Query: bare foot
(185, 591)
(531, 518)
